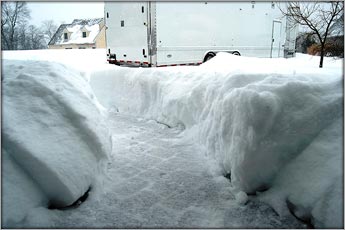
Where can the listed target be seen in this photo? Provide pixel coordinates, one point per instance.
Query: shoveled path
(158, 179)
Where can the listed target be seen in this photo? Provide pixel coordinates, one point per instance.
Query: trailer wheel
(209, 56)
(236, 53)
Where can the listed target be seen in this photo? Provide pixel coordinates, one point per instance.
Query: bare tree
(35, 38)
(317, 16)
(23, 38)
(12, 15)
(49, 28)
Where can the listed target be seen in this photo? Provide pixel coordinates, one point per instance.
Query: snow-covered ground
(55, 139)
(157, 179)
(272, 126)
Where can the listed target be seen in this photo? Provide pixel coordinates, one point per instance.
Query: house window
(84, 34)
(65, 36)
(82, 47)
(122, 23)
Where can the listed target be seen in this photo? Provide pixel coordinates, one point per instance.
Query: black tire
(209, 56)
(236, 53)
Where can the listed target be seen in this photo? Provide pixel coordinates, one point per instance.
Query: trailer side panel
(127, 31)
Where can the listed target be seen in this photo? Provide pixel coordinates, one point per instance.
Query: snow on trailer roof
(75, 29)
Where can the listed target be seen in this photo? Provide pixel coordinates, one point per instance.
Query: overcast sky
(64, 11)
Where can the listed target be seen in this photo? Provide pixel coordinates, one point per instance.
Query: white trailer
(189, 33)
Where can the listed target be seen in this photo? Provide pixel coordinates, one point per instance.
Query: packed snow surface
(157, 178)
(55, 141)
(272, 126)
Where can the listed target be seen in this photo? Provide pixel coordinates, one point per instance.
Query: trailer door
(276, 38)
(126, 33)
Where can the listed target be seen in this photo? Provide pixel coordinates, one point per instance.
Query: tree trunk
(322, 54)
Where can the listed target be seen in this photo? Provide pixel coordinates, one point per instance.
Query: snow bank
(254, 116)
(272, 124)
(83, 60)
(312, 183)
(301, 64)
(55, 141)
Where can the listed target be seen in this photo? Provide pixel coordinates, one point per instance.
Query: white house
(80, 34)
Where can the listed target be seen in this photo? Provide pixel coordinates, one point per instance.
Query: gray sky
(64, 11)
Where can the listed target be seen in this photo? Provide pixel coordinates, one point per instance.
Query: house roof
(75, 29)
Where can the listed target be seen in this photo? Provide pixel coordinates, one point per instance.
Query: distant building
(336, 38)
(305, 40)
(337, 28)
(334, 44)
(80, 34)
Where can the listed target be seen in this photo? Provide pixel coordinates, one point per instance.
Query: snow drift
(273, 125)
(55, 141)
(311, 184)
(256, 117)
(83, 60)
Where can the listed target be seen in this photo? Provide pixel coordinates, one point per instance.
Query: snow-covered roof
(75, 30)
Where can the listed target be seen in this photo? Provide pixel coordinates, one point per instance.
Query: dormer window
(84, 32)
(65, 36)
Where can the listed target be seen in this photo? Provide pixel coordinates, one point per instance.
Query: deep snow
(54, 139)
(254, 116)
(273, 125)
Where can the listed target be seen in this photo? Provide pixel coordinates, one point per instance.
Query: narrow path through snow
(158, 179)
